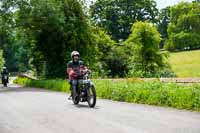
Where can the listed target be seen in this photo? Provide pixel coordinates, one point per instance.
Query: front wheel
(5, 83)
(75, 97)
(91, 97)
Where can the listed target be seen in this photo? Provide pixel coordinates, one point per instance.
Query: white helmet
(75, 53)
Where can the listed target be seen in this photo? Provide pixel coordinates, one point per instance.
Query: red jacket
(74, 70)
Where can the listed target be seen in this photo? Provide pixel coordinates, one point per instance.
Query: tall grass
(134, 91)
(54, 85)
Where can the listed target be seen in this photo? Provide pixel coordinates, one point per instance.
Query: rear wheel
(91, 97)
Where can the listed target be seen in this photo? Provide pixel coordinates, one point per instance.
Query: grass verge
(134, 91)
(186, 64)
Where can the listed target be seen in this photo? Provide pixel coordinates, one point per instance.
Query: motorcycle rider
(75, 70)
(4, 72)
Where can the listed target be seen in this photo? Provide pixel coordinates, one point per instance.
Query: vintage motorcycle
(85, 91)
(4, 80)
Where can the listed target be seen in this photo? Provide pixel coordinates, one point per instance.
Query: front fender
(91, 84)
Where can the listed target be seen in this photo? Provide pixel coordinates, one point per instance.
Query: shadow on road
(85, 105)
(13, 88)
(17, 88)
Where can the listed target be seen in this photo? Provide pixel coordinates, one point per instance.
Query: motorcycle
(4, 80)
(85, 91)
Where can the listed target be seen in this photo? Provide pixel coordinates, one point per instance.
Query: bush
(117, 62)
(146, 59)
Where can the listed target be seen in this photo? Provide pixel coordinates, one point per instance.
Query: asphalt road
(29, 110)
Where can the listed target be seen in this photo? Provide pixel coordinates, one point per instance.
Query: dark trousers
(2, 78)
(74, 84)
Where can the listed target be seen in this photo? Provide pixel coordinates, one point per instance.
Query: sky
(164, 3)
(161, 3)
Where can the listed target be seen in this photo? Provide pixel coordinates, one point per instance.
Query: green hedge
(135, 91)
(54, 85)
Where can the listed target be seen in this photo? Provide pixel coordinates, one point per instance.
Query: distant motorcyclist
(75, 70)
(4, 72)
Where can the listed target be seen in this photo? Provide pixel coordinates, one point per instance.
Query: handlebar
(86, 72)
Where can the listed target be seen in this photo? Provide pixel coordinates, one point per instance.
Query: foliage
(112, 61)
(184, 29)
(40, 35)
(22, 55)
(135, 91)
(164, 19)
(5, 34)
(104, 45)
(146, 59)
(54, 29)
(1, 60)
(117, 62)
(15, 53)
(117, 17)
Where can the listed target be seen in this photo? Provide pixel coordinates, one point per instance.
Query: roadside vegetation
(2, 61)
(115, 38)
(133, 91)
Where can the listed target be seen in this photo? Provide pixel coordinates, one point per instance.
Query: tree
(6, 37)
(104, 46)
(54, 29)
(22, 55)
(146, 59)
(184, 29)
(9, 42)
(164, 20)
(1, 60)
(117, 17)
(196, 0)
(112, 61)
